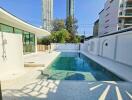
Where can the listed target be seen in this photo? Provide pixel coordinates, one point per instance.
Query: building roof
(11, 20)
(118, 32)
(96, 21)
(101, 11)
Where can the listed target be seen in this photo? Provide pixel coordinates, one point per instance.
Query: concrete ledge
(121, 70)
(41, 59)
(33, 65)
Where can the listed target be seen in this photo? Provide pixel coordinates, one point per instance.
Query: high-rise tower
(47, 14)
(70, 8)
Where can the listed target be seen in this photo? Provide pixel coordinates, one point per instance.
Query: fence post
(0, 92)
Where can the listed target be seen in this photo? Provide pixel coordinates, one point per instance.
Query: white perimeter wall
(14, 52)
(115, 47)
(124, 48)
(107, 46)
(93, 46)
(67, 46)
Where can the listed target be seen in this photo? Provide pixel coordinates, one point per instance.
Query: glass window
(18, 31)
(26, 37)
(29, 42)
(32, 39)
(5, 28)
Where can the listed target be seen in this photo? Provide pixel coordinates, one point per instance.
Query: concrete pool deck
(121, 70)
(32, 86)
(42, 58)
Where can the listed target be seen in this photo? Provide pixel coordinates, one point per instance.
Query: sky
(86, 11)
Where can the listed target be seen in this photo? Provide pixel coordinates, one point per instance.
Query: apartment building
(70, 8)
(96, 28)
(47, 14)
(116, 15)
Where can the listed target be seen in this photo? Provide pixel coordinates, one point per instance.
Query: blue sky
(86, 11)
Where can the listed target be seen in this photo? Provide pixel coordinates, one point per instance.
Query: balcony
(129, 5)
(128, 14)
(128, 22)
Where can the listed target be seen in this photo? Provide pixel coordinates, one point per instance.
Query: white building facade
(16, 39)
(116, 15)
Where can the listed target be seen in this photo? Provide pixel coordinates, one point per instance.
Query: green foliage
(39, 41)
(63, 32)
(60, 36)
(76, 39)
(71, 25)
(44, 41)
(58, 25)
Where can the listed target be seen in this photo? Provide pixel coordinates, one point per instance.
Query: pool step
(33, 64)
(68, 75)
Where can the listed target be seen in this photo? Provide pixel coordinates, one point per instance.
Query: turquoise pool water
(76, 66)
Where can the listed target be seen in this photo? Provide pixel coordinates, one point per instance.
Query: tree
(58, 25)
(71, 25)
(39, 41)
(44, 41)
(60, 36)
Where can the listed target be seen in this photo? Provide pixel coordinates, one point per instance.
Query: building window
(106, 26)
(29, 42)
(107, 14)
(32, 42)
(120, 21)
(18, 31)
(107, 21)
(27, 37)
(5, 28)
(32, 39)
(120, 13)
(107, 8)
(121, 5)
(111, 1)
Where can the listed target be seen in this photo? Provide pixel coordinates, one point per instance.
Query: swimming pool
(76, 66)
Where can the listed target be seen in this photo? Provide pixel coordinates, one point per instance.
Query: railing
(129, 21)
(43, 48)
(128, 14)
(128, 6)
(0, 92)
